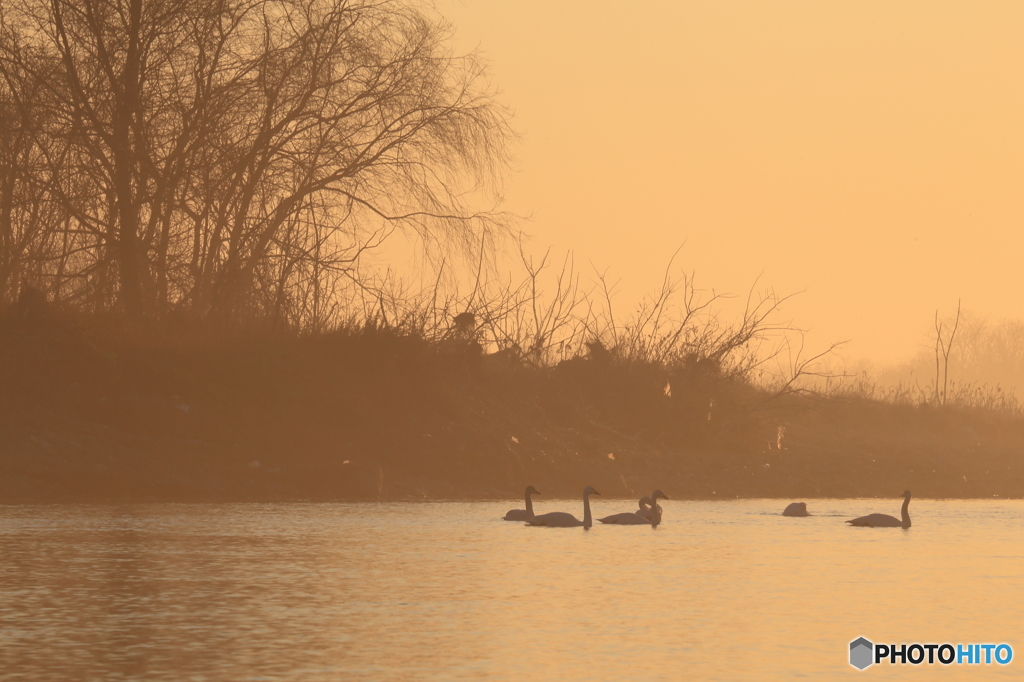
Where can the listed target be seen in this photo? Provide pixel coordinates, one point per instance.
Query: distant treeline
(232, 159)
(979, 363)
(100, 408)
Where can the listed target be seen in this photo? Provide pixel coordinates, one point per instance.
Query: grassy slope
(94, 414)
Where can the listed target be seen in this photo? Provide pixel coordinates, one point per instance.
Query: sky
(867, 156)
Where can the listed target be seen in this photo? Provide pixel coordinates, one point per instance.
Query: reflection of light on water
(449, 591)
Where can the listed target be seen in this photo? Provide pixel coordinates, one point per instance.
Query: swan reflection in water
(884, 520)
(565, 519)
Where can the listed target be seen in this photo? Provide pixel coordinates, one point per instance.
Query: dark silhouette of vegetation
(231, 159)
(422, 401)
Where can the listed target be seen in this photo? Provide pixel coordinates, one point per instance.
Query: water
(448, 591)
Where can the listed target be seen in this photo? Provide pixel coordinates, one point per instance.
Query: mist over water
(448, 591)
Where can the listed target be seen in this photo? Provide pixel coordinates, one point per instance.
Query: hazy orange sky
(870, 154)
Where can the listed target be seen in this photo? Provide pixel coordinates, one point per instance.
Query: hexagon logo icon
(861, 653)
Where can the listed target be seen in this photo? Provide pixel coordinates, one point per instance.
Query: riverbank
(97, 411)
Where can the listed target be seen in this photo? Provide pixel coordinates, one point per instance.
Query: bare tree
(227, 156)
(25, 212)
(943, 347)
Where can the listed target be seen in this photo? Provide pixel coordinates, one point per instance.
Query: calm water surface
(448, 591)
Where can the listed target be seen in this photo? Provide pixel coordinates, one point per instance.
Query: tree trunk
(128, 251)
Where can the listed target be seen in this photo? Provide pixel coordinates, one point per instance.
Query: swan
(565, 519)
(626, 519)
(655, 507)
(645, 507)
(884, 520)
(796, 509)
(523, 514)
(640, 516)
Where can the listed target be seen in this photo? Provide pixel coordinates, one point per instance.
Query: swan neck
(588, 520)
(905, 513)
(529, 505)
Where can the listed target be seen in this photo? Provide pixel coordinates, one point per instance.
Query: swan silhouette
(640, 516)
(565, 519)
(655, 507)
(637, 518)
(626, 519)
(523, 514)
(884, 520)
(645, 507)
(796, 509)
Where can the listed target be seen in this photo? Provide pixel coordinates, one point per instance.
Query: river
(449, 591)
